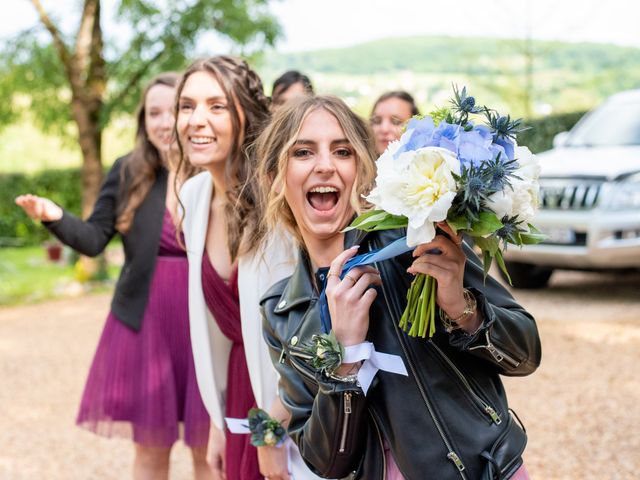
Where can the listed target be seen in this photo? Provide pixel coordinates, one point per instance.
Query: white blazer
(256, 273)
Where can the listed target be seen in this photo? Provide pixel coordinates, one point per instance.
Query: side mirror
(560, 139)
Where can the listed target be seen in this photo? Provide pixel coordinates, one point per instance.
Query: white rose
(521, 198)
(418, 185)
(529, 166)
(501, 203)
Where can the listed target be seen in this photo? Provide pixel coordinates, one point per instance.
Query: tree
(86, 79)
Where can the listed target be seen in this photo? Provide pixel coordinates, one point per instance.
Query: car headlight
(623, 195)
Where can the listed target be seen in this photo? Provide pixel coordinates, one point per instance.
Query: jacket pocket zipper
(300, 353)
(298, 367)
(477, 400)
(497, 354)
(345, 420)
(451, 454)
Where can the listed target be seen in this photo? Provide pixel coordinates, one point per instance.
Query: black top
(90, 238)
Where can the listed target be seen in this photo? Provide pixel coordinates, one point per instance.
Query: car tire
(527, 275)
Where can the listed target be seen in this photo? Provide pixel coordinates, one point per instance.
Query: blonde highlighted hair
(272, 149)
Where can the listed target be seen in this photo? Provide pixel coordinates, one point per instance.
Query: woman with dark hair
(445, 415)
(221, 110)
(142, 381)
(289, 85)
(389, 113)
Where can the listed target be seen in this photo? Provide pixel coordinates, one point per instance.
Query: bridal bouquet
(448, 167)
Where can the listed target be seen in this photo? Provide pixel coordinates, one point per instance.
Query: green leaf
(487, 224)
(487, 260)
(373, 215)
(503, 267)
(459, 223)
(489, 244)
(532, 237)
(377, 220)
(393, 221)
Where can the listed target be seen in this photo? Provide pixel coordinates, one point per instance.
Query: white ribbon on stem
(373, 361)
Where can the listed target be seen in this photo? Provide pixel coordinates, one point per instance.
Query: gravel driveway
(581, 408)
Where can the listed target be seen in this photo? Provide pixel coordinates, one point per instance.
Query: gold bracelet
(451, 324)
(350, 377)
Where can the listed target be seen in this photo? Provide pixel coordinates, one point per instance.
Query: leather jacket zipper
(497, 354)
(484, 406)
(300, 353)
(451, 454)
(346, 396)
(302, 370)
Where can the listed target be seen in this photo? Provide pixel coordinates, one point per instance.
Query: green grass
(27, 276)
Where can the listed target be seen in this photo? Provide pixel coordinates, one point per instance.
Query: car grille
(569, 195)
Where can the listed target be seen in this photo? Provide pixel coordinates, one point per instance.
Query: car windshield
(614, 123)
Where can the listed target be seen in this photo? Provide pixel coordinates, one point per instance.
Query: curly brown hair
(243, 89)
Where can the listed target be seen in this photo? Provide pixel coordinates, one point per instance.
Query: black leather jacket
(448, 419)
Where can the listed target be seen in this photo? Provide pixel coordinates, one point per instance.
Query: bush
(540, 136)
(62, 186)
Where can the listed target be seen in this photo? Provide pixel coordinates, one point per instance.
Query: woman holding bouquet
(448, 417)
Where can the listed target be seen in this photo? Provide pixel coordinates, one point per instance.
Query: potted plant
(54, 250)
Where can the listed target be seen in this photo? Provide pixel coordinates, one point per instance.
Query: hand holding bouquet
(447, 168)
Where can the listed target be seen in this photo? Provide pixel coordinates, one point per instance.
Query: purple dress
(224, 303)
(142, 385)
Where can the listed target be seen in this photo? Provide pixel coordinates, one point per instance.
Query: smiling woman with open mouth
(447, 417)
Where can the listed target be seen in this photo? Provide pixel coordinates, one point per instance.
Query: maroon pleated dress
(142, 385)
(224, 303)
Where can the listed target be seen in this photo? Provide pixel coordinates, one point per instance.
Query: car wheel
(527, 275)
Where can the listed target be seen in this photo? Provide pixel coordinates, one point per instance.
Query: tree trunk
(85, 70)
(90, 139)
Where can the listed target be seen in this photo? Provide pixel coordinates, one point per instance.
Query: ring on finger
(330, 274)
(350, 278)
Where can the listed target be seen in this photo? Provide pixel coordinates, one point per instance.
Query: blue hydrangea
(473, 144)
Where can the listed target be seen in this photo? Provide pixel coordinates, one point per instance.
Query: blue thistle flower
(463, 106)
(510, 230)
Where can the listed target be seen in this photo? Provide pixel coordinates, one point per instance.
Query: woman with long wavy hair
(221, 109)
(142, 382)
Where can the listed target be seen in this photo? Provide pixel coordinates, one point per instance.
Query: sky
(312, 24)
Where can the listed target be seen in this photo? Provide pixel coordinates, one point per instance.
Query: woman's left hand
(447, 267)
(274, 462)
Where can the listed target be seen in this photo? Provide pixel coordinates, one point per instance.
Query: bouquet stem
(419, 317)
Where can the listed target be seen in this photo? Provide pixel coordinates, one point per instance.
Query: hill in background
(565, 77)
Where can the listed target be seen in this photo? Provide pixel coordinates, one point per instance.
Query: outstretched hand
(39, 208)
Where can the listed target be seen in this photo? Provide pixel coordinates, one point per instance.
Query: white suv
(589, 197)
